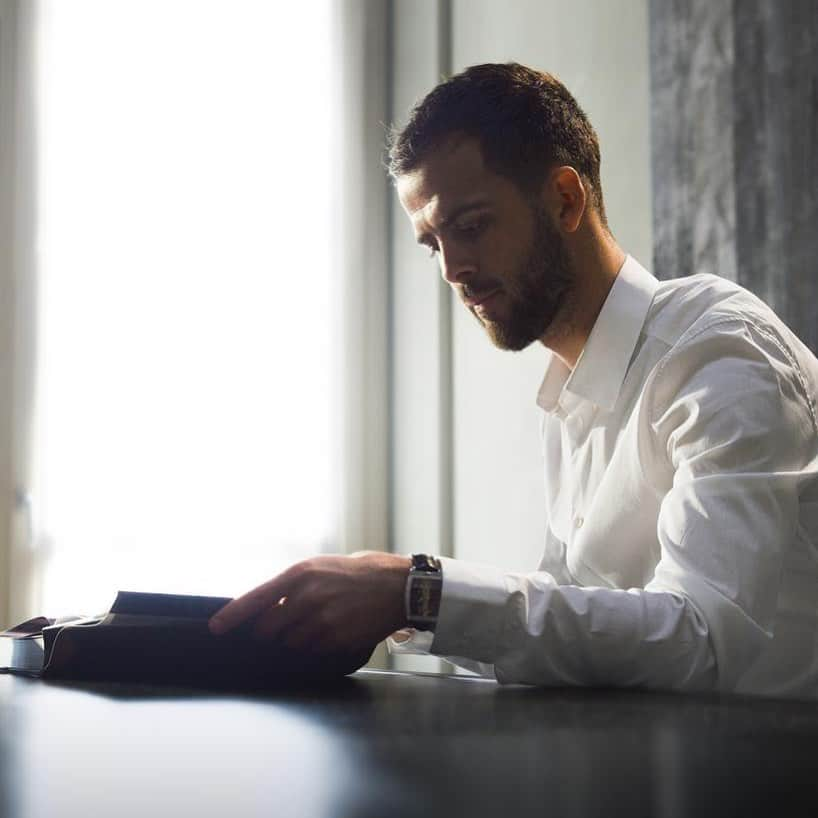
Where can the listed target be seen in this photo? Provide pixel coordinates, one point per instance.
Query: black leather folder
(164, 639)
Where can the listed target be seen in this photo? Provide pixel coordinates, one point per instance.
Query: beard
(536, 292)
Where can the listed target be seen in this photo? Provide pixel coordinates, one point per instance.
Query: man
(679, 431)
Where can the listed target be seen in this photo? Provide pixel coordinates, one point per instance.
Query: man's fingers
(249, 605)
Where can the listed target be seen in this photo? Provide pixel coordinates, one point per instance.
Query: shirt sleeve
(533, 631)
(726, 424)
(735, 420)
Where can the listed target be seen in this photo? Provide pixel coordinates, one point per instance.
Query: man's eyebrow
(456, 213)
(462, 209)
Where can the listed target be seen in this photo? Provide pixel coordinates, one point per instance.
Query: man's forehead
(447, 178)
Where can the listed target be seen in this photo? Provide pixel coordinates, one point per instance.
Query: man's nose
(456, 268)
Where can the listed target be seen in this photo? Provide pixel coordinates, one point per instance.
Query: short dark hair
(525, 121)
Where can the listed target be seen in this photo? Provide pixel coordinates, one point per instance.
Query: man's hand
(328, 604)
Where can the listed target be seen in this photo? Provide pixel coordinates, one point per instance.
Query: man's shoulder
(703, 318)
(694, 304)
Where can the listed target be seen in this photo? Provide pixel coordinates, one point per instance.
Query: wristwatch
(423, 588)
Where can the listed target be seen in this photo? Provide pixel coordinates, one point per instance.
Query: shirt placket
(576, 426)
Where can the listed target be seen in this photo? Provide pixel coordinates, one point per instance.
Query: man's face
(499, 250)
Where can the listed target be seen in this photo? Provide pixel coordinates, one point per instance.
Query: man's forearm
(537, 632)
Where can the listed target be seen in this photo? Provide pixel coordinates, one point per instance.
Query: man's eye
(470, 228)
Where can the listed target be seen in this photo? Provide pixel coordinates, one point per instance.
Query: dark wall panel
(734, 117)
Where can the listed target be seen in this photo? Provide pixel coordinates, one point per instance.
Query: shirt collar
(603, 364)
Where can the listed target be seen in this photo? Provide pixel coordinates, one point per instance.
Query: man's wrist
(399, 571)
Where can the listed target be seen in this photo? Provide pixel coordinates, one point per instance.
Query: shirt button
(578, 521)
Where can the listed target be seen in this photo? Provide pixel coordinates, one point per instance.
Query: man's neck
(596, 264)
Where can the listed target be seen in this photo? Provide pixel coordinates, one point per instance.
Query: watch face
(424, 597)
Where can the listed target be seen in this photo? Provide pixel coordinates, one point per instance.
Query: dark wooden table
(382, 744)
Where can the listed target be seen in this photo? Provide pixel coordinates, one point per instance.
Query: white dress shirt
(681, 489)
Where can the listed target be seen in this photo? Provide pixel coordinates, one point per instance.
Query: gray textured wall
(734, 155)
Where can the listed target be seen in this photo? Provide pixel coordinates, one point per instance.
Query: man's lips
(475, 299)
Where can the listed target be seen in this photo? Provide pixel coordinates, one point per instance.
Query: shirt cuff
(472, 611)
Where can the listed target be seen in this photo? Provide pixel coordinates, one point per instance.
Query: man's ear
(565, 197)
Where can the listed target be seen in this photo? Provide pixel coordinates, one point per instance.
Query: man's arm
(728, 417)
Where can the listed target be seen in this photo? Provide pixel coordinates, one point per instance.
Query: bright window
(184, 430)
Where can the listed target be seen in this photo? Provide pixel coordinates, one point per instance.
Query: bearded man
(679, 435)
